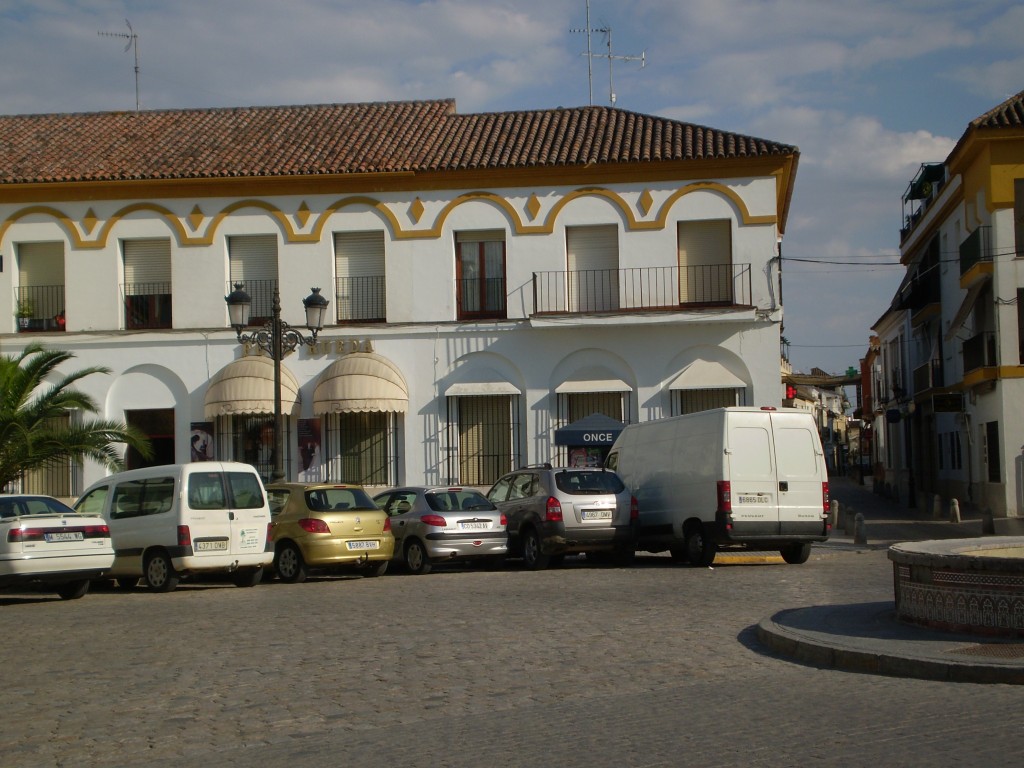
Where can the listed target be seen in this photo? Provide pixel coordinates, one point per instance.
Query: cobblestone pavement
(655, 665)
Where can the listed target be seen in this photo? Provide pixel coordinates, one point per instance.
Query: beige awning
(247, 386)
(965, 308)
(361, 381)
(592, 379)
(706, 374)
(479, 380)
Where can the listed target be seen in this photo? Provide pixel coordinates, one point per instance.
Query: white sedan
(43, 541)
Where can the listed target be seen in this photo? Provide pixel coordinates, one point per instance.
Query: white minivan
(178, 520)
(750, 478)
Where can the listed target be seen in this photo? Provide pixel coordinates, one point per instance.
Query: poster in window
(202, 441)
(309, 451)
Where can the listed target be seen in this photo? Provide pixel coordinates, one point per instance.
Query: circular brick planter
(961, 585)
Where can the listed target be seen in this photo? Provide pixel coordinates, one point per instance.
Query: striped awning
(361, 381)
(247, 386)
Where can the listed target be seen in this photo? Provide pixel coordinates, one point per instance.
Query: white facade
(640, 344)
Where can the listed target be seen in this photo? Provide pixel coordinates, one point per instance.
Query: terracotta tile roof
(1009, 114)
(345, 139)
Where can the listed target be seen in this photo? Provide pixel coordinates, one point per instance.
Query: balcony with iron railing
(922, 190)
(39, 308)
(642, 288)
(361, 299)
(976, 257)
(927, 376)
(147, 305)
(980, 351)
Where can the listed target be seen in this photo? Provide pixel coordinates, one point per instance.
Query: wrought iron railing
(980, 351)
(977, 247)
(361, 299)
(39, 307)
(641, 288)
(147, 305)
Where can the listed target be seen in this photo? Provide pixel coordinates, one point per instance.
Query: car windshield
(326, 499)
(457, 498)
(588, 482)
(33, 505)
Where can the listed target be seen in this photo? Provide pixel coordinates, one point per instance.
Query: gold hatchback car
(327, 525)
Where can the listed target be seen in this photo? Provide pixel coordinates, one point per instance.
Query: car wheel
(73, 589)
(416, 559)
(533, 556)
(247, 577)
(126, 582)
(159, 573)
(795, 554)
(700, 549)
(290, 566)
(375, 569)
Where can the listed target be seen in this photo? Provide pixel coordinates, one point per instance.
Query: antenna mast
(133, 42)
(607, 32)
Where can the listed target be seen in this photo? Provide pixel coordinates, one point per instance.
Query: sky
(866, 89)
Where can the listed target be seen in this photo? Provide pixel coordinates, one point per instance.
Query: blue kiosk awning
(595, 429)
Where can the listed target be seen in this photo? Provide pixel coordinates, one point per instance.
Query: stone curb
(810, 648)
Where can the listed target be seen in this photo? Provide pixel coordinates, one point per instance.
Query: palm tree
(34, 402)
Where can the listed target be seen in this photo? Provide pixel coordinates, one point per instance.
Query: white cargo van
(177, 520)
(730, 477)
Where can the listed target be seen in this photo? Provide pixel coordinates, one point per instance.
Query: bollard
(936, 507)
(860, 530)
(954, 511)
(848, 521)
(833, 516)
(988, 525)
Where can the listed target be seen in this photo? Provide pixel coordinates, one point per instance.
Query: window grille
(484, 438)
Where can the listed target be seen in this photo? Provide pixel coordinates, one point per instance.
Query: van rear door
(208, 516)
(801, 469)
(750, 464)
(248, 513)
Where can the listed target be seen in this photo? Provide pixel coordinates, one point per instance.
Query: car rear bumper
(327, 552)
(588, 539)
(54, 569)
(455, 546)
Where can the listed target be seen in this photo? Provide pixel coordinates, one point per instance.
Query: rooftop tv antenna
(133, 42)
(607, 32)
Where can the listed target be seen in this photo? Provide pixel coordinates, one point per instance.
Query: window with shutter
(359, 272)
(480, 274)
(705, 262)
(253, 261)
(147, 283)
(592, 255)
(40, 293)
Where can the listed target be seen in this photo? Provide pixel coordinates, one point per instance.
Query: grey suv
(553, 511)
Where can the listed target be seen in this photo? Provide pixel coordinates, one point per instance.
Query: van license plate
(597, 514)
(211, 546)
(755, 500)
(363, 545)
(65, 536)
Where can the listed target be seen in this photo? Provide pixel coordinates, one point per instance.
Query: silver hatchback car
(442, 524)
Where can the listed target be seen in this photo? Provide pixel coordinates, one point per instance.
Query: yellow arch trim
(63, 219)
(659, 221)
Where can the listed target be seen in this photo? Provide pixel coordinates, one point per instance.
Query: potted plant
(24, 312)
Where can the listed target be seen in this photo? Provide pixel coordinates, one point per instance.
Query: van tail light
(184, 536)
(725, 496)
(270, 533)
(826, 507)
(437, 520)
(553, 510)
(634, 508)
(313, 525)
(387, 524)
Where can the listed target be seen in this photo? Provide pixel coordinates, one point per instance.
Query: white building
(950, 378)
(491, 277)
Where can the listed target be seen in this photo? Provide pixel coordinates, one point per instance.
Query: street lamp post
(277, 339)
